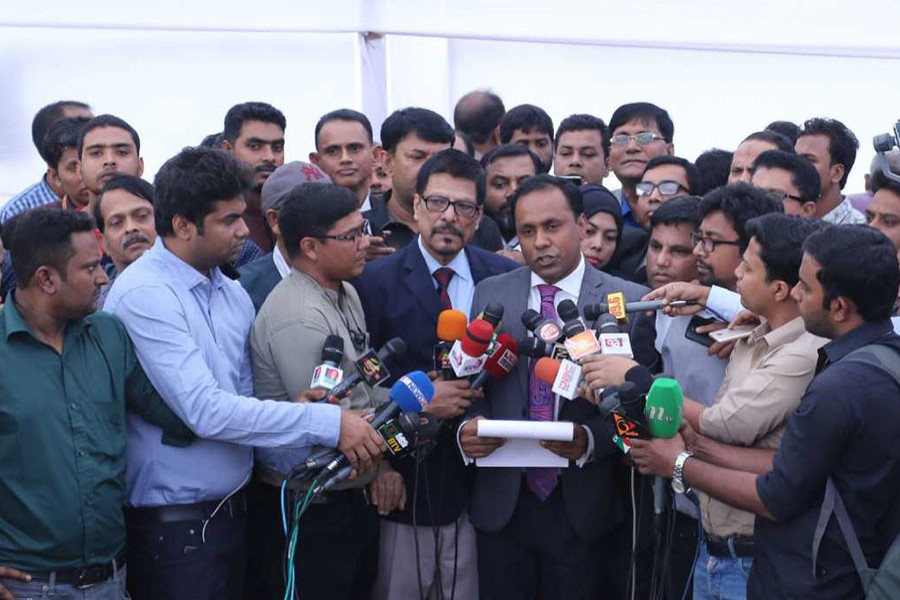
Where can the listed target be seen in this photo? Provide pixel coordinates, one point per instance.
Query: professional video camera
(884, 143)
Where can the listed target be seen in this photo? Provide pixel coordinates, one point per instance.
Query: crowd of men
(160, 344)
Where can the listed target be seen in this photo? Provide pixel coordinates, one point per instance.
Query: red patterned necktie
(443, 277)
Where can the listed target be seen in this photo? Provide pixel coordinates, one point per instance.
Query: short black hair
(108, 121)
(191, 182)
(47, 116)
(543, 181)
(879, 181)
(582, 122)
(714, 166)
(858, 263)
(238, 114)
(213, 140)
(691, 172)
(478, 113)
(310, 210)
(526, 117)
(344, 114)
(842, 144)
(510, 150)
(804, 176)
(425, 123)
(780, 238)
(456, 164)
(788, 129)
(678, 211)
(63, 135)
(739, 202)
(122, 181)
(467, 141)
(644, 111)
(779, 141)
(43, 237)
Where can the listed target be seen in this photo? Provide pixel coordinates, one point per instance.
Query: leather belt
(83, 577)
(234, 507)
(721, 547)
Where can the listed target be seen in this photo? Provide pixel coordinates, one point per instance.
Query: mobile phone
(700, 338)
(728, 335)
(575, 180)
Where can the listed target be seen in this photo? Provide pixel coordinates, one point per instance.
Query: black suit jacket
(592, 504)
(259, 278)
(399, 299)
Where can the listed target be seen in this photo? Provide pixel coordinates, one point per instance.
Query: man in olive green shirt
(66, 378)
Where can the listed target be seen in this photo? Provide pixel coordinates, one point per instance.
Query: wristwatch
(678, 485)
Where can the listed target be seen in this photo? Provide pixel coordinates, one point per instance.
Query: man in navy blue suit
(429, 542)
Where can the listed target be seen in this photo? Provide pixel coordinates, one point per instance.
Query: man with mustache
(124, 217)
(254, 134)
(108, 146)
(404, 294)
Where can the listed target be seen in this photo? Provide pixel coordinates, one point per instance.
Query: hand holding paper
(524, 446)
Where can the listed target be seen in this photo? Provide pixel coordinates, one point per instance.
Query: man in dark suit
(403, 295)
(548, 529)
(262, 275)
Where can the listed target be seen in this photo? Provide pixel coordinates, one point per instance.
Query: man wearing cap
(262, 275)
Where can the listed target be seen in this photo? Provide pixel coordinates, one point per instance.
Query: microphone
(369, 368)
(467, 355)
(592, 312)
(493, 314)
(411, 393)
(563, 375)
(544, 329)
(663, 413)
(409, 431)
(500, 363)
(536, 348)
(328, 374)
(451, 327)
(612, 339)
(580, 341)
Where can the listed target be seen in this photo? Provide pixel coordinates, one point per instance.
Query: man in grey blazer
(548, 529)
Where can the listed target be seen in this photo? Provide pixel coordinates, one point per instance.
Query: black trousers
(337, 548)
(172, 560)
(539, 552)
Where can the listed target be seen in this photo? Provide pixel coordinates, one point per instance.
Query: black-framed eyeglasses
(463, 208)
(351, 236)
(666, 188)
(779, 196)
(643, 138)
(709, 245)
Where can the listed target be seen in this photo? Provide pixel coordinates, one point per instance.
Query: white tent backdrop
(723, 69)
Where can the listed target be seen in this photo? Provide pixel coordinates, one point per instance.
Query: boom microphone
(370, 368)
(328, 374)
(500, 363)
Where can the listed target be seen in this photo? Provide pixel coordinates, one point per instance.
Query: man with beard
(254, 134)
(530, 126)
(124, 216)
(108, 146)
(505, 168)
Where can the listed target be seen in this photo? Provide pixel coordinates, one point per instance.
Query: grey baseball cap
(285, 178)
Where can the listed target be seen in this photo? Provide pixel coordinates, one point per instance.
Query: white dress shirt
(461, 288)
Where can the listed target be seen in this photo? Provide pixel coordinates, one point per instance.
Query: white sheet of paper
(522, 447)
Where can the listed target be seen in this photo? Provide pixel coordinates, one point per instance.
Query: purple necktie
(541, 480)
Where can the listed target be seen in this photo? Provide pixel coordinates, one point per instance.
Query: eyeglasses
(779, 196)
(709, 245)
(352, 236)
(643, 138)
(666, 188)
(463, 208)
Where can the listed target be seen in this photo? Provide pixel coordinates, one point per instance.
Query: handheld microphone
(663, 412)
(580, 341)
(536, 348)
(563, 375)
(544, 329)
(411, 393)
(592, 312)
(493, 314)
(451, 327)
(467, 355)
(409, 431)
(329, 374)
(369, 368)
(612, 339)
(500, 363)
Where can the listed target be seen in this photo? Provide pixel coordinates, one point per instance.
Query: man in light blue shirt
(190, 326)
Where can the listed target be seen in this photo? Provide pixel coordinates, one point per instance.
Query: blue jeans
(718, 578)
(111, 589)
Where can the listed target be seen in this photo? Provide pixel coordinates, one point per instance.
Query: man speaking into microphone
(404, 295)
(561, 520)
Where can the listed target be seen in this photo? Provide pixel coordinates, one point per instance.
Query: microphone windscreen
(607, 323)
(451, 325)
(504, 357)
(333, 350)
(530, 318)
(592, 312)
(567, 311)
(663, 407)
(477, 337)
(412, 392)
(546, 369)
(393, 347)
(493, 313)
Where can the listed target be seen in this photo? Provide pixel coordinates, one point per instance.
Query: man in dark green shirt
(66, 378)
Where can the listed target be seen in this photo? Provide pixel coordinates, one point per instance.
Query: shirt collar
(187, 274)
(779, 336)
(459, 264)
(281, 264)
(570, 284)
(14, 323)
(857, 338)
